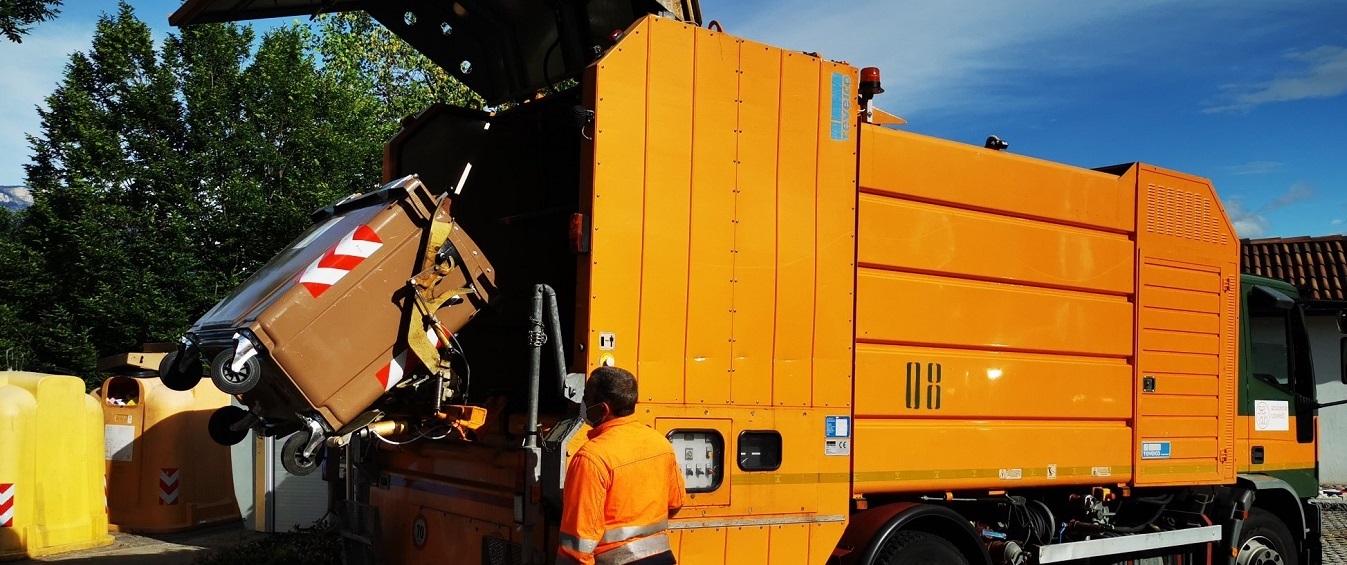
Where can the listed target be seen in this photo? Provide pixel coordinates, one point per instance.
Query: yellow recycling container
(51, 469)
(165, 474)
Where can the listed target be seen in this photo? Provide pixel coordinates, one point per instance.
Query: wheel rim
(1258, 550)
(236, 377)
(293, 458)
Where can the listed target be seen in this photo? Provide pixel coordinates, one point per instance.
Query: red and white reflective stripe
(168, 486)
(345, 257)
(392, 373)
(105, 494)
(6, 505)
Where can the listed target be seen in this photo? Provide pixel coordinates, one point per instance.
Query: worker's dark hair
(615, 386)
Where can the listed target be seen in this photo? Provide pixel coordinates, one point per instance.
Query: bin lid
(130, 362)
(501, 49)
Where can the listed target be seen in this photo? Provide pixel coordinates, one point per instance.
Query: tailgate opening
(514, 178)
(502, 49)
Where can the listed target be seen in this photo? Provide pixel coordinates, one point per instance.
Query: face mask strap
(588, 411)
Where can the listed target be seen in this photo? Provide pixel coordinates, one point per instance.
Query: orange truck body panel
(723, 204)
(1041, 296)
(1282, 450)
(737, 224)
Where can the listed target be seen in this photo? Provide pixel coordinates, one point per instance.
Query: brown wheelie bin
(326, 331)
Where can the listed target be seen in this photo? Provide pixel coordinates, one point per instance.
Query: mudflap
(361, 534)
(1313, 551)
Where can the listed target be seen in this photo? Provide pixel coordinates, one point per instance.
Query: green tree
(209, 62)
(16, 284)
(112, 206)
(17, 17)
(163, 177)
(314, 140)
(363, 55)
(271, 137)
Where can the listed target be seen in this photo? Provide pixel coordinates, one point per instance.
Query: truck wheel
(910, 547)
(1265, 540)
(174, 377)
(221, 420)
(292, 456)
(235, 382)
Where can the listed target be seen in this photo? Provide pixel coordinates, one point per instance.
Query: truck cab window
(1268, 344)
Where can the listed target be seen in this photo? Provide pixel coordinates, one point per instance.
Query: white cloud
(1254, 223)
(1257, 167)
(1247, 224)
(1337, 222)
(29, 71)
(15, 197)
(1299, 192)
(1319, 73)
(943, 56)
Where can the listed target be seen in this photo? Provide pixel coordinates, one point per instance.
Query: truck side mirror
(1342, 358)
(1271, 298)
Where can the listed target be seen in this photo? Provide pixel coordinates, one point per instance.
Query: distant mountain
(15, 197)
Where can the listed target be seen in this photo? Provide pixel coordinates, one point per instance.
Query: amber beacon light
(870, 82)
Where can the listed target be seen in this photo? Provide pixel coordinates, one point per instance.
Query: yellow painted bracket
(428, 298)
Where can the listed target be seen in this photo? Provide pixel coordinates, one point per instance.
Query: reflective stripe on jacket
(621, 486)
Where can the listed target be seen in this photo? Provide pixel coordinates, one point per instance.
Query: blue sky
(1252, 95)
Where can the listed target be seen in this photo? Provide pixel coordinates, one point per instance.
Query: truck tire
(1265, 540)
(910, 547)
(235, 382)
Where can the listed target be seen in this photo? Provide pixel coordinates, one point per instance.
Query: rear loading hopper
(352, 323)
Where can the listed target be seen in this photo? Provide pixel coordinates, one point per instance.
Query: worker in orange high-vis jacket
(622, 485)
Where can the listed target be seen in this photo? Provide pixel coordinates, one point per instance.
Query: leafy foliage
(18, 16)
(163, 176)
(402, 81)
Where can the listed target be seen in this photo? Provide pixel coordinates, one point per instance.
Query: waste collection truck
(869, 346)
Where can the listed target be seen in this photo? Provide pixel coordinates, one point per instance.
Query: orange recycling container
(320, 334)
(51, 478)
(164, 474)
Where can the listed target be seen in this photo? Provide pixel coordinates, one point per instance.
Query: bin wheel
(220, 422)
(292, 456)
(230, 381)
(176, 377)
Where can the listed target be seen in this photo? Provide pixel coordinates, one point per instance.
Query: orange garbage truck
(867, 346)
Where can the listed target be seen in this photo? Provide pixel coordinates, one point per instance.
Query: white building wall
(296, 501)
(271, 499)
(1324, 342)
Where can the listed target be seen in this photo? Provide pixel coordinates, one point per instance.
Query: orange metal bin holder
(164, 472)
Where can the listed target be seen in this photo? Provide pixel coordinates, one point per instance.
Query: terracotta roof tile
(1316, 265)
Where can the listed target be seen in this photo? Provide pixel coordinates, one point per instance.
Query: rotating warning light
(870, 82)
